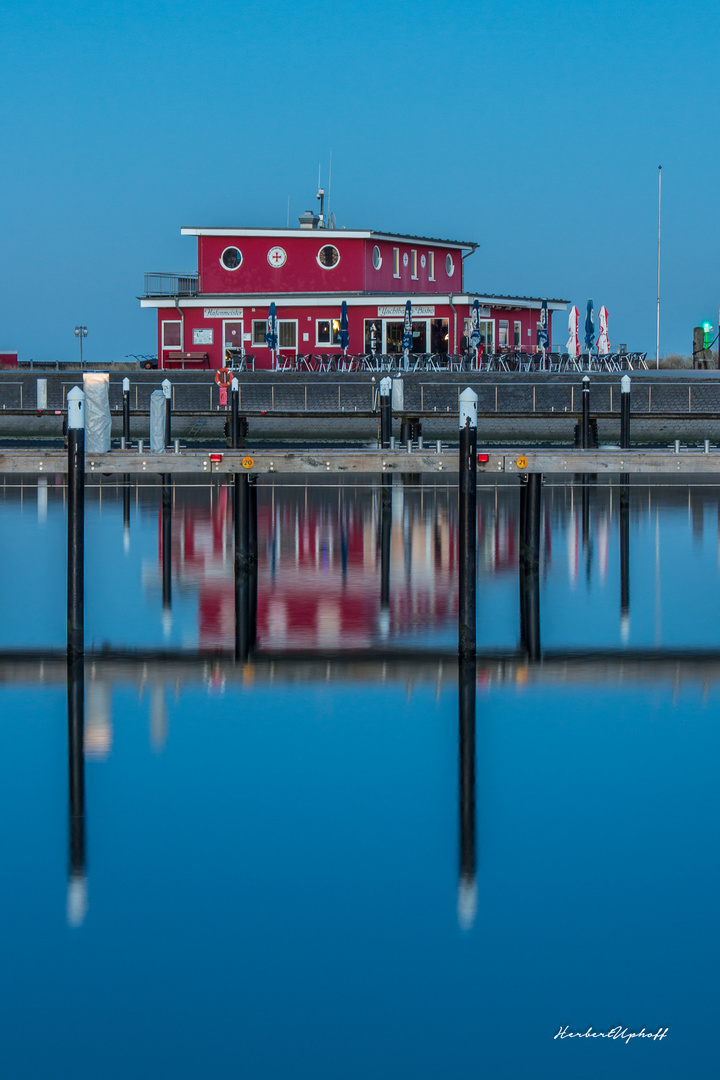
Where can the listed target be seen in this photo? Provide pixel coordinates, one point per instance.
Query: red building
(308, 272)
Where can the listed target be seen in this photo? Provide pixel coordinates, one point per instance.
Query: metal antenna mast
(329, 187)
(657, 327)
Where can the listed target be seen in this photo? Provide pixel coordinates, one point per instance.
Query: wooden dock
(426, 462)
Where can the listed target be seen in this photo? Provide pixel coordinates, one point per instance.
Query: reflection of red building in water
(320, 567)
(321, 560)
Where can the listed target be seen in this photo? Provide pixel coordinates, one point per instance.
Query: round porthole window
(328, 256)
(231, 258)
(405, 258)
(422, 261)
(377, 257)
(449, 266)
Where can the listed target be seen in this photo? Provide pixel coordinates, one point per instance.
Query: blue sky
(535, 129)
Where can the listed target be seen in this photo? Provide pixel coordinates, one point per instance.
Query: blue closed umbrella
(344, 336)
(543, 338)
(407, 340)
(475, 327)
(589, 326)
(271, 336)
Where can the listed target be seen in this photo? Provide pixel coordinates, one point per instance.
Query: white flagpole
(657, 328)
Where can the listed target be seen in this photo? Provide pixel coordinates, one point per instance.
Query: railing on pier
(333, 396)
(489, 363)
(161, 284)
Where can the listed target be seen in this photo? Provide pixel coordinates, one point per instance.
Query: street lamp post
(81, 332)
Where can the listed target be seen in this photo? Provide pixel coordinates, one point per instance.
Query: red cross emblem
(277, 256)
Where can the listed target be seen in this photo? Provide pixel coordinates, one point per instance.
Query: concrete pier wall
(511, 407)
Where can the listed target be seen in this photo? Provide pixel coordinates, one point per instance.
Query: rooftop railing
(159, 284)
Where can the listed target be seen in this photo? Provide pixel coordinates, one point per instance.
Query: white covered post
(467, 528)
(76, 523)
(126, 411)
(625, 412)
(157, 422)
(97, 411)
(167, 391)
(385, 412)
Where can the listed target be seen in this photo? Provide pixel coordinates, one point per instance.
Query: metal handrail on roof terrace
(159, 284)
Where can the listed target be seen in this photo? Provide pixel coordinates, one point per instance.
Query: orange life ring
(223, 377)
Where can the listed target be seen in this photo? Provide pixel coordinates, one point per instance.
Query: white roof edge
(513, 301)
(396, 300)
(352, 234)
(324, 300)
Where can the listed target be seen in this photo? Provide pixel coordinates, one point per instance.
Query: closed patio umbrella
(344, 335)
(603, 341)
(543, 337)
(407, 339)
(589, 327)
(271, 334)
(475, 328)
(573, 345)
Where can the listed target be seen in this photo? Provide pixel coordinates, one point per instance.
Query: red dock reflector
(216, 457)
(483, 459)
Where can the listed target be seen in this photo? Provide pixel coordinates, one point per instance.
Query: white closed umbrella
(603, 341)
(573, 345)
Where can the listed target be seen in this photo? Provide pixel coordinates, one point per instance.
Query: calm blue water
(270, 879)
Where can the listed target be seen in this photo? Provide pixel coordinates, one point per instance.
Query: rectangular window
(413, 264)
(518, 335)
(503, 333)
(431, 265)
(287, 333)
(172, 335)
(259, 327)
(396, 262)
(322, 332)
(327, 332)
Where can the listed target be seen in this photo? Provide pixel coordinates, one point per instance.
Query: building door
(420, 336)
(439, 336)
(487, 335)
(393, 336)
(232, 338)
